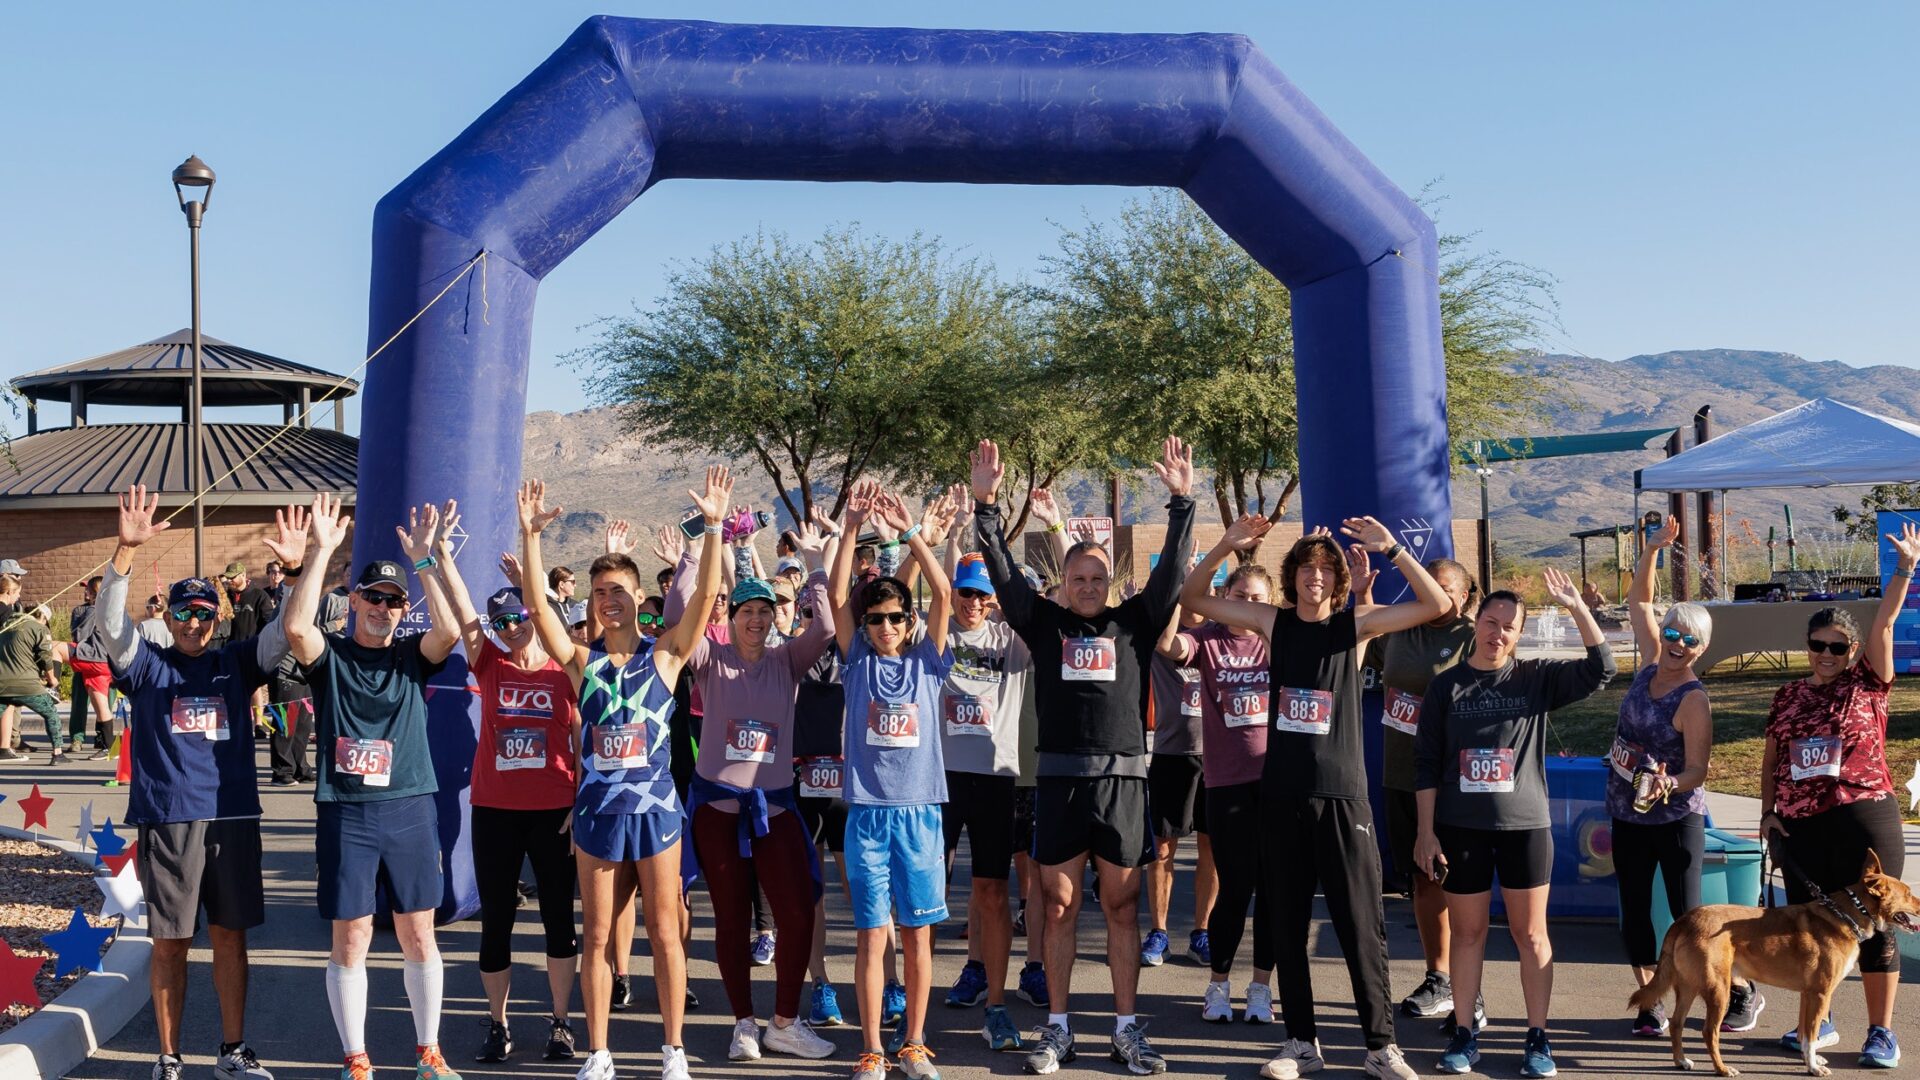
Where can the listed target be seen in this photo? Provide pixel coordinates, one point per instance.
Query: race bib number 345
(1303, 712)
(369, 759)
(1087, 659)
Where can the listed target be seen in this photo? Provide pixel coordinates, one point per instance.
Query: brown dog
(1803, 947)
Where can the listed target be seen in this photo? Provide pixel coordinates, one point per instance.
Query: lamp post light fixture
(194, 173)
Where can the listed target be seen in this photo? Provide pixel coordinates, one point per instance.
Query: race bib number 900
(369, 759)
(1815, 755)
(1488, 769)
(1401, 711)
(1303, 712)
(893, 726)
(1088, 659)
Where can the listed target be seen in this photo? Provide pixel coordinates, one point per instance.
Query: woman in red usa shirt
(1825, 788)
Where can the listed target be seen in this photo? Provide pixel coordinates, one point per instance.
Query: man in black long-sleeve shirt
(1090, 661)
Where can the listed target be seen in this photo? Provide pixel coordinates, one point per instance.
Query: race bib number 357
(1303, 712)
(1487, 769)
(204, 716)
(1087, 659)
(369, 759)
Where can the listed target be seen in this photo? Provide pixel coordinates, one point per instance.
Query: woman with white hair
(1661, 748)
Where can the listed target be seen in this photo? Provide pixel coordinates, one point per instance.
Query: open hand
(1360, 570)
(137, 526)
(1561, 588)
(811, 538)
(1907, 544)
(288, 541)
(1175, 467)
(534, 515)
(1044, 508)
(1246, 533)
(416, 537)
(889, 511)
(449, 522)
(1669, 532)
(860, 503)
(669, 545)
(712, 502)
(326, 524)
(1369, 532)
(510, 568)
(937, 519)
(987, 471)
(619, 537)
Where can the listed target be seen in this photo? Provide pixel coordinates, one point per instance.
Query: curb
(92, 1011)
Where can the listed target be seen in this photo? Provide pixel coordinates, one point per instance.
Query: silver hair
(1690, 618)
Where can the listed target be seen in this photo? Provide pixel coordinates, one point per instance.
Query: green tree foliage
(1863, 524)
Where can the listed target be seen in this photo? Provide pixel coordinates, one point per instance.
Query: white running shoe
(599, 1066)
(1259, 1003)
(1388, 1063)
(673, 1064)
(1297, 1058)
(746, 1040)
(797, 1039)
(1217, 1006)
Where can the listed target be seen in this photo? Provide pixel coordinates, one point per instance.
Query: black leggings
(1677, 849)
(501, 840)
(1831, 847)
(1233, 822)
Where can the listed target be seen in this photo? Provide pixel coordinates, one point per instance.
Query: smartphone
(694, 526)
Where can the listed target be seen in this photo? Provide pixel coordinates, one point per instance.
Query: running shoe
(917, 1062)
(1052, 1048)
(1433, 997)
(1153, 951)
(896, 1040)
(999, 1030)
(970, 988)
(1651, 1023)
(239, 1063)
(1479, 1018)
(599, 1066)
(168, 1067)
(1020, 921)
(746, 1041)
(871, 1066)
(1827, 1037)
(560, 1041)
(622, 993)
(693, 999)
(763, 950)
(1881, 1050)
(1462, 1052)
(1200, 948)
(430, 1064)
(1130, 1048)
(824, 1011)
(1259, 1003)
(1216, 1005)
(1388, 1061)
(1297, 1057)
(796, 1039)
(357, 1067)
(1033, 984)
(673, 1064)
(499, 1042)
(1744, 1007)
(893, 1004)
(1537, 1060)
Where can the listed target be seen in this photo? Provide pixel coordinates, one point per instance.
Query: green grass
(1740, 702)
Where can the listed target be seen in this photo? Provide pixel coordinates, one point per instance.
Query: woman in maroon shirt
(1826, 793)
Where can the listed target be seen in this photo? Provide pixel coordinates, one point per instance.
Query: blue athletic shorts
(392, 846)
(896, 865)
(627, 837)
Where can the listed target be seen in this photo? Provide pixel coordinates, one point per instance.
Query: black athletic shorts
(187, 866)
(1023, 818)
(1102, 815)
(1175, 793)
(825, 821)
(1403, 828)
(1523, 858)
(983, 806)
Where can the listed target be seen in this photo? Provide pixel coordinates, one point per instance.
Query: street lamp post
(194, 173)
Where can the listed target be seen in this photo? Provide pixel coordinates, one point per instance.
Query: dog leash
(1787, 864)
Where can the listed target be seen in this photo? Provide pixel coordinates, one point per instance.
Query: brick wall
(59, 547)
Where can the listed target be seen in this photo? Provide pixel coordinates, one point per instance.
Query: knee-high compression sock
(347, 997)
(423, 994)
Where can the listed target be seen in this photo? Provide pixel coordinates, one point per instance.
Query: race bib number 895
(1488, 769)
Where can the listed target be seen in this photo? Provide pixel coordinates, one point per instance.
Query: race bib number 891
(1088, 659)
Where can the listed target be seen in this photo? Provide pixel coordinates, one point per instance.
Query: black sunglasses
(508, 620)
(891, 618)
(378, 598)
(973, 594)
(1837, 648)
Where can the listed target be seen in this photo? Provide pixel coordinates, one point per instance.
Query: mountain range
(600, 472)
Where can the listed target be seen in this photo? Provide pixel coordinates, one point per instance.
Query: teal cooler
(1730, 874)
(1584, 886)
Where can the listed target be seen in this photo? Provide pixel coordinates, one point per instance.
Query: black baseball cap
(383, 572)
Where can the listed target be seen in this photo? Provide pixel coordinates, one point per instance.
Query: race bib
(369, 759)
(967, 714)
(750, 740)
(618, 746)
(1087, 659)
(203, 716)
(1303, 712)
(1401, 712)
(519, 748)
(893, 726)
(822, 777)
(1626, 757)
(1488, 769)
(1244, 706)
(1190, 692)
(1815, 755)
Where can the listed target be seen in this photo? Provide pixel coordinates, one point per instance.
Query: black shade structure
(157, 373)
(85, 467)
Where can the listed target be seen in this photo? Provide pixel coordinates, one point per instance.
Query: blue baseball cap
(751, 588)
(507, 602)
(973, 575)
(194, 592)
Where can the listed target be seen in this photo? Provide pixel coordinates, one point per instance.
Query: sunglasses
(188, 614)
(889, 618)
(1670, 634)
(391, 601)
(507, 620)
(973, 594)
(647, 618)
(1837, 648)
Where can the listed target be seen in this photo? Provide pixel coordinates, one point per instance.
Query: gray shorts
(187, 865)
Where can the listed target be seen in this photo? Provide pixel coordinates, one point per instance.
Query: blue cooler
(1584, 886)
(1730, 874)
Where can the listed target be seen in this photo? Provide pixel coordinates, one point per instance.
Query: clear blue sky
(1696, 175)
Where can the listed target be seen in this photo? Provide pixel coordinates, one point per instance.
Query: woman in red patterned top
(1825, 790)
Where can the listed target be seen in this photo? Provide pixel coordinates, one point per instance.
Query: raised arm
(888, 507)
(840, 578)
(1877, 650)
(681, 639)
(328, 530)
(1051, 513)
(473, 634)
(960, 534)
(670, 547)
(1429, 599)
(1162, 594)
(1575, 680)
(416, 540)
(534, 517)
(1646, 628)
(1017, 599)
(287, 543)
(1361, 575)
(137, 527)
(1243, 535)
(1173, 644)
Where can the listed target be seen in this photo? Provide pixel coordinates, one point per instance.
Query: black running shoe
(499, 1043)
(560, 1041)
(622, 993)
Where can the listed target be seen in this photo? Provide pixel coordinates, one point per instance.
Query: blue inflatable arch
(627, 103)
